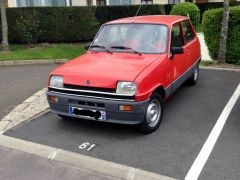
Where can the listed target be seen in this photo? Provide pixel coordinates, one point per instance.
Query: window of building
(188, 31)
(33, 3)
(173, 1)
(119, 2)
(176, 36)
(147, 1)
(101, 2)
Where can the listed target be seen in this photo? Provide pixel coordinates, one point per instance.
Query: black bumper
(111, 107)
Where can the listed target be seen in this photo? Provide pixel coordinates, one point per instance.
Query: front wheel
(194, 77)
(153, 115)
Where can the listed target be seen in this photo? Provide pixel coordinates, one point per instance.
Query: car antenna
(138, 10)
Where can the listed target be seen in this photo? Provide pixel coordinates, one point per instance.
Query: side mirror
(86, 46)
(176, 50)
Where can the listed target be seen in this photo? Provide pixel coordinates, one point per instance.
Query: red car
(132, 66)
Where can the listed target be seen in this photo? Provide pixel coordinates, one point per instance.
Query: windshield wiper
(126, 48)
(100, 46)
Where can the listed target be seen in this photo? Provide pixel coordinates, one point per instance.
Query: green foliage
(66, 24)
(212, 24)
(51, 24)
(108, 13)
(185, 9)
(28, 28)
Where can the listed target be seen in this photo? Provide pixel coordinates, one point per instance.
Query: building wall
(11, 3)
(79, 3)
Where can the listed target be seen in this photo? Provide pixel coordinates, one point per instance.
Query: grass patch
(43, 51)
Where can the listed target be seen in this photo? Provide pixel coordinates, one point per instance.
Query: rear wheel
(194, 77)
(153, 115)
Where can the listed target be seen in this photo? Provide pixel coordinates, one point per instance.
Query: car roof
(155, 19)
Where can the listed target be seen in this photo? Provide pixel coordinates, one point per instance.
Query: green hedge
(108, 13)
(66, 24)
(51, 24)
(212, 23)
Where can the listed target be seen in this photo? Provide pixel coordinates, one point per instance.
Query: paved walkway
(204, 49)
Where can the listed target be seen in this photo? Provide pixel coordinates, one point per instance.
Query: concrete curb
(31, 107)
(220, 69)
(32, 62)
(80, 161)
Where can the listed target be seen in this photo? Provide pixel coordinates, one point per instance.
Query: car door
(192, 44)
(178, 61)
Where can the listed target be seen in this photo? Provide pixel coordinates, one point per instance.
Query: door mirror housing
(176, 50)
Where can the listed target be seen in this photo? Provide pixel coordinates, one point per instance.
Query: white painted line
(207, 148)
(53, 154)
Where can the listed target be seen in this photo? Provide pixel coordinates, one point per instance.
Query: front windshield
(141, 38)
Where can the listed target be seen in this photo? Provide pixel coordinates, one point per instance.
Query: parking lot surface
(17, 83)
(190, 115)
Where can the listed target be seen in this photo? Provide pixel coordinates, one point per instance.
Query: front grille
(81, 92)
(86, 103)
(87, 88)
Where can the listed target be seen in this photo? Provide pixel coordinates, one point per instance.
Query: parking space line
(207, 148)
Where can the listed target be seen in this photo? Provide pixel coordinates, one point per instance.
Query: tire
(152, 121)
(63, 117)
(194, 77)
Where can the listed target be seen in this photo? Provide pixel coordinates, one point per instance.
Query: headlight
(126, 88)
(56, 81)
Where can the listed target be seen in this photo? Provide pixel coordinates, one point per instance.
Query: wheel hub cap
(153, 113)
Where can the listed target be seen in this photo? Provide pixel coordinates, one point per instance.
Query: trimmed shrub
(207, 6)
(51, 24)
(212, 24)
(108, 13)
(186, 9)
(66, 24)
(28, 28)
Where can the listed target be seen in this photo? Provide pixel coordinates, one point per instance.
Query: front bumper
(111, 107)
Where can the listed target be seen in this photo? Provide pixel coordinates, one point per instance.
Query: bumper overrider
(64, 101)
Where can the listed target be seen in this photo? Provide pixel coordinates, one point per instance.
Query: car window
(144, 38)
(187, 30)
(176, 36)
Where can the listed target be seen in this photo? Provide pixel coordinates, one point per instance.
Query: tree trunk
(224, 34)
(4, 44)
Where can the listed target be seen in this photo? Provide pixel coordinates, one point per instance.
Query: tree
(4, 44)
(224, 33)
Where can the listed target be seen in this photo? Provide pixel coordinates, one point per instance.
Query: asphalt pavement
(17, 83)
(190, 115)
(23, 166)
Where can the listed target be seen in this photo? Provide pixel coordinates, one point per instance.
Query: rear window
(187, 31)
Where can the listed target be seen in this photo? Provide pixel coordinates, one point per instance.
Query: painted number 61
(87, 146)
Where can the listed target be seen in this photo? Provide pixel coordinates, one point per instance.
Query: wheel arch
(161, 91)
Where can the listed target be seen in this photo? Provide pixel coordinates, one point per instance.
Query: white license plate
(87, 113)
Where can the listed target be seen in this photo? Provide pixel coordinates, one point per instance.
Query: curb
(80, 161)
(220, 69)
(32, 62)
(31, 107)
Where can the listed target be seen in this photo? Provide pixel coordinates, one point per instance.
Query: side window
(187, 30)
(176, 36)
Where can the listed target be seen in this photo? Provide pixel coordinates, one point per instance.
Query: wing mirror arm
(86, 47)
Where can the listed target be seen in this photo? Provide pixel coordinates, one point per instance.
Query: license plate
(87, 113)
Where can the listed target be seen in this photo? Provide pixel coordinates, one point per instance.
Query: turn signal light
(125, 108)
(53, 98)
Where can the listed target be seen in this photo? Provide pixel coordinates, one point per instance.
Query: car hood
(104, 69)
